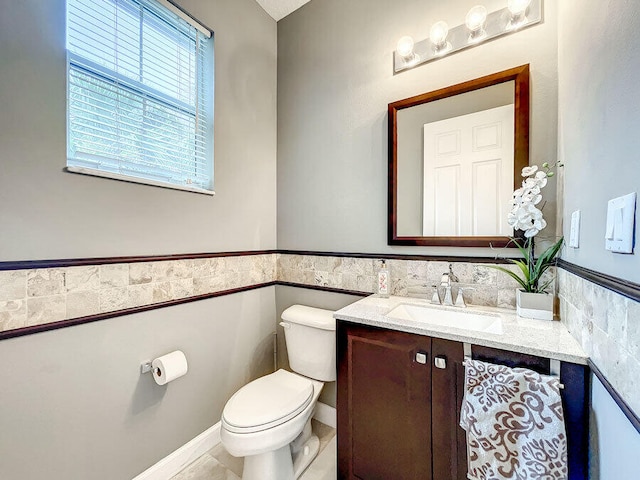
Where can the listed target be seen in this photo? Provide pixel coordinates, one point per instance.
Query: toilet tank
(310, 334)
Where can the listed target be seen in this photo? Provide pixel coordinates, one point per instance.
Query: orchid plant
(527, 216)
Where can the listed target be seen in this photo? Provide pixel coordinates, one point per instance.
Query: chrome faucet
(445, 281)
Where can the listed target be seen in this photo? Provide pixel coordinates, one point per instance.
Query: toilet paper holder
(146, 367)
(166, 368)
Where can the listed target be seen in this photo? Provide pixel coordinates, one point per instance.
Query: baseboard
(325, 414)
(175, 462)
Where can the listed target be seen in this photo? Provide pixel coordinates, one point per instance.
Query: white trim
(190, 20)
(176, 461)
(143, 181)
(325, 414)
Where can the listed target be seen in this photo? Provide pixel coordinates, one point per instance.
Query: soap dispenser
(383, 281)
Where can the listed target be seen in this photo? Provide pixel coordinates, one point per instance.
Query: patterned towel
(514, 423)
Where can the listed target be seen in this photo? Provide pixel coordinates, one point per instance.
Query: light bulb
(405, 46)
(438, 33)
(518, 7)
(476, 18)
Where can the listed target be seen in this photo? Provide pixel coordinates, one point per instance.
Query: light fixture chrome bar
(498, 23)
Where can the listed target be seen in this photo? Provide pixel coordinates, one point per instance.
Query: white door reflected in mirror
(468, 174)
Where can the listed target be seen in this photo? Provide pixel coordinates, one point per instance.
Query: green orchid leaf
(522, 247)
(512, 274)
(547, 258)
(523, 267)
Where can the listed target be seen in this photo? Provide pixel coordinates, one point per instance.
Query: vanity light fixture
(405, 50)
(518, 7)
(475, 22)
(405, 46)
(438, 37)
(479, 26)
(518, 10)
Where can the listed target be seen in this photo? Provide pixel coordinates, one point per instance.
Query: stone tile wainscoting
(32, 297)
(607, 325)
(409, 278)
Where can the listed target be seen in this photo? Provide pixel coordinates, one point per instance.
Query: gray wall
(599, 104)
(335, 80)
(73, 402)
(599, 118)
(47, 213)
(75, 406)
(614, 442)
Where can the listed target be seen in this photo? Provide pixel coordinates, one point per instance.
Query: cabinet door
(384, 404)
(449, 460)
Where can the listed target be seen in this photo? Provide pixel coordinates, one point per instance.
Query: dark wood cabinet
(398, 409)
(447, 384)
(384, 397)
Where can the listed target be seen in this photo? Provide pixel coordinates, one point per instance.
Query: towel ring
(554, 365)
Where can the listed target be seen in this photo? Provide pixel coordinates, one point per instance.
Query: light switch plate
(574, 235)
(620, 228)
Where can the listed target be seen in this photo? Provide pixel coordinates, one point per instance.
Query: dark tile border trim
(626, 409)
(396, 256)
(71, 322)
(623, 287)
(356, 293)
(78, 262)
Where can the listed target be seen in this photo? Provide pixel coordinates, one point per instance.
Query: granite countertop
(543, 338)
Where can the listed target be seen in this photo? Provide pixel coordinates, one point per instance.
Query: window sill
(143, 181)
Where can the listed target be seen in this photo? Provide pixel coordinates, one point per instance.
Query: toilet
(268, 421)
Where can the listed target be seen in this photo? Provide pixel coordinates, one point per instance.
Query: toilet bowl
(268, 421)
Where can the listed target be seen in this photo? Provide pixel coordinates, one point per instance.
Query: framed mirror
(455, 157)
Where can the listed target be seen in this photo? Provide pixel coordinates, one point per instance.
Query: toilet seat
(267, 402)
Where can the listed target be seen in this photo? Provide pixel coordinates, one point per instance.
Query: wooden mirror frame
(520, 76)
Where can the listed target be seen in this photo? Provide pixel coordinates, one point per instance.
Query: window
(140, 93)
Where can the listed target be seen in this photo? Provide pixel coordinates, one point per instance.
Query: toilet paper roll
(169, 367)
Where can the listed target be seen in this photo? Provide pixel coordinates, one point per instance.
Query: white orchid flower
(536, 199)
(524, 214)
(517, 201)
(527, 217)
(541, 179)
(540, 223)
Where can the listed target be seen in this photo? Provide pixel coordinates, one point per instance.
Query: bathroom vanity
(401, 383)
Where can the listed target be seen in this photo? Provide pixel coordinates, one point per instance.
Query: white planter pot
(534, 305)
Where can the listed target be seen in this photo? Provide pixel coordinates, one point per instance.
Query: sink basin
(457, 318)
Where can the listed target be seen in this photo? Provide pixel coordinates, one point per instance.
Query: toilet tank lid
(310, 316)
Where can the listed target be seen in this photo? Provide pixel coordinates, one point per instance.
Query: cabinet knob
(421, 358)
(440, 362)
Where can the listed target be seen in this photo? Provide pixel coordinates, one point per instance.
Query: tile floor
(218, 464)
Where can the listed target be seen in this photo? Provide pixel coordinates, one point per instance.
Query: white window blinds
(140, 93)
